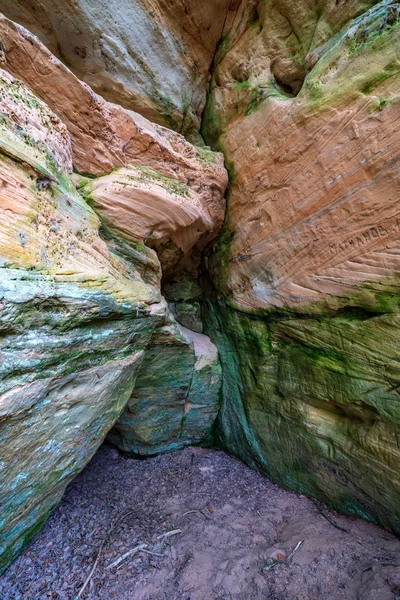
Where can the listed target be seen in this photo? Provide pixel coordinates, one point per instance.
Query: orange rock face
(103, 135)
(171, 216)
(45, 224)
(314, 203)
(313, 233)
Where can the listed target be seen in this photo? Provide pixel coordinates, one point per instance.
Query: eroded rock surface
(146, 206)
(101, 209)
(310, 254)
(152, 57)
(166, 193)
(65, 373)
(104, 135)
(79, 312)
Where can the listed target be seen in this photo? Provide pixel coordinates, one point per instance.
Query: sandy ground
(207, 528)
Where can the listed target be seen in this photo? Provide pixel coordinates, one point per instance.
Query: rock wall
(152, 57)
(103, 213)
(176, 397)
(306, 309)
(81, 313)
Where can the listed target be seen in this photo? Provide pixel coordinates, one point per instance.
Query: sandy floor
(231, 530)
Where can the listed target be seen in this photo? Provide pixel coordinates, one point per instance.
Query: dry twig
(135, 550)
(169, 534)
(196, 510)
(89, 577)
(297, 547)
(289, 556)
(328, 518)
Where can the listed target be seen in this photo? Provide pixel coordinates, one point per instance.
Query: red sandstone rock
(151, 56)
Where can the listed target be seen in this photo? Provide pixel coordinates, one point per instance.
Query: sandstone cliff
(113, 264)
(149, 56)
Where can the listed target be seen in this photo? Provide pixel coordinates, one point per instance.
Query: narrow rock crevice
(135, 304)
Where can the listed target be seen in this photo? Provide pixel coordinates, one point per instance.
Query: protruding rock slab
(103, 135)
(66, 374)
(150, 56)
(50, 430)
(167, 193)
(165, 213)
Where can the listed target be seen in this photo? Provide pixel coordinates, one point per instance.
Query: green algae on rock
(50, 430)
(68, 313)
(176, 398)
(64, 377)
(303, 297)
(312, 402)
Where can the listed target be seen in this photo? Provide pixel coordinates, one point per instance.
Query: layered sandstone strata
(79, 312)
(65, 373)
(302, 291)
(152, 57)
(166, 192)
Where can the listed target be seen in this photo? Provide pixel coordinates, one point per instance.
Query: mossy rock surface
(313, 403)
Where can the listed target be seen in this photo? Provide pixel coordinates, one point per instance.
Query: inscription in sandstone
(361, 239)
